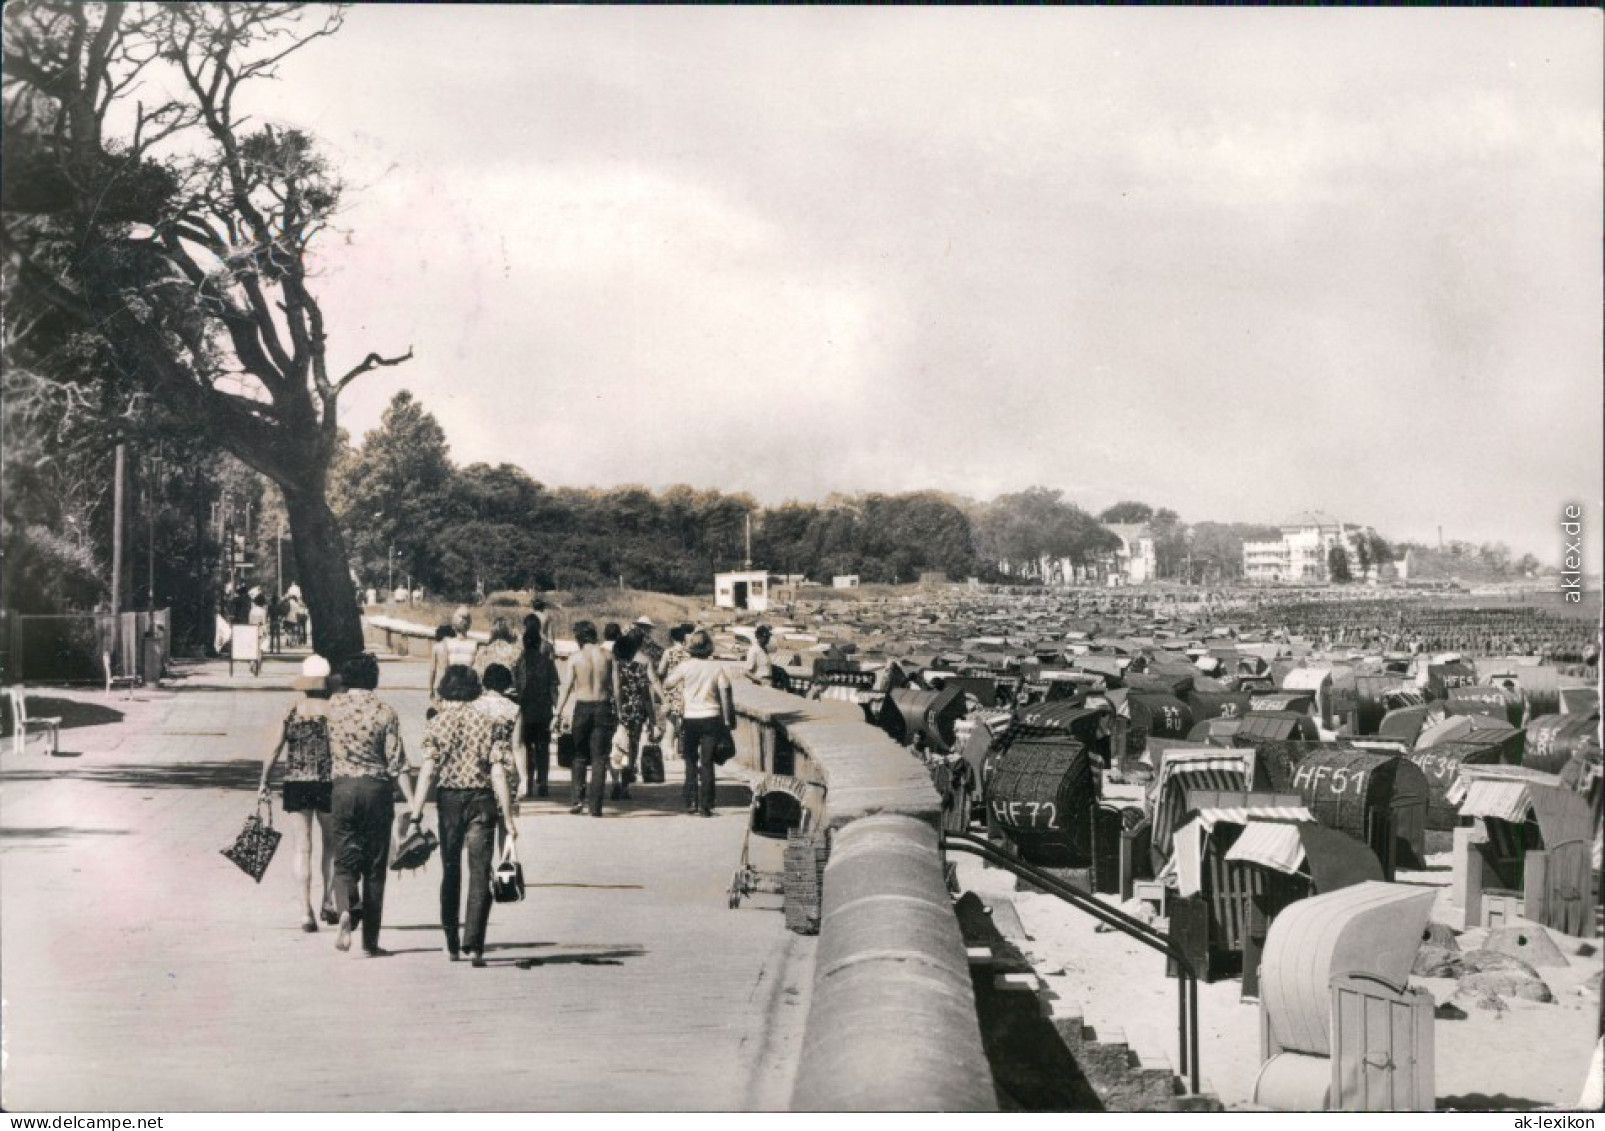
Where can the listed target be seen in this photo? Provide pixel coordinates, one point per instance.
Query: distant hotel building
(1136, 561)
(1301, 553)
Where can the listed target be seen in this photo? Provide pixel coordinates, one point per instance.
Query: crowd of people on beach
(496, 710)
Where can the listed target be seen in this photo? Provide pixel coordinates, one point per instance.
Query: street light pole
(152, 470)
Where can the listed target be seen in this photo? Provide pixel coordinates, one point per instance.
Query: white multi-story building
(1301, 553)
(1136, 561)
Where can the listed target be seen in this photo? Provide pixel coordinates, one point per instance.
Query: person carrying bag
(468, 756)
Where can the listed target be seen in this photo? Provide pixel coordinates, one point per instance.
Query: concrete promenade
(141, 971)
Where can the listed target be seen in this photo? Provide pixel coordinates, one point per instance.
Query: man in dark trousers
(594, 686)
(367, 755)
(537, 686)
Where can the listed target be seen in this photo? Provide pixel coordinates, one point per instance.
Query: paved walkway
(142, 971)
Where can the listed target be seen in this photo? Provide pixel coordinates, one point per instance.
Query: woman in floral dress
(638, 710)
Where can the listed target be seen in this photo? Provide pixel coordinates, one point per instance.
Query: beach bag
(253, 849)
(507, 881)
(415, 849)
(652, 763)
(565, 751)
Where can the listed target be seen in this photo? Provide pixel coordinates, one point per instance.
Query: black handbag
(652, 763)
(725, 749)
(507, 881)
(415, 849)
(565, 751)
(253, 849)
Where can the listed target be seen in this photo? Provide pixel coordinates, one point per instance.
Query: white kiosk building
(744, 589)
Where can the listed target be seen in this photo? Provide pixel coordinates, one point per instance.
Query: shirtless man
(594, 686)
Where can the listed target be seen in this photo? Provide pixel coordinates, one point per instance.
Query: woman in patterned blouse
(308, 784)
(468, 755)
(367, 762)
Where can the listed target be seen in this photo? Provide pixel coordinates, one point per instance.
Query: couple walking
(344, 758)
(698, 685)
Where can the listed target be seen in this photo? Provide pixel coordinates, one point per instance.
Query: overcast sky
(1238, 263)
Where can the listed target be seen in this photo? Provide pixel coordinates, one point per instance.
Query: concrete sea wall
(892, 1024)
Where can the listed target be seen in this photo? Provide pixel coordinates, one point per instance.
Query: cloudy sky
(1239, 263)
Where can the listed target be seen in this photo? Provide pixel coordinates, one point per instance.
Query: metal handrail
(1187, 979)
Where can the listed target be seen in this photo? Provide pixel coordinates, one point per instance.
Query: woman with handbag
(710, 716)
(468, 756)
(308, 784)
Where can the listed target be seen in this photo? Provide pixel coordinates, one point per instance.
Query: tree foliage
(1337, 565)
(172, 256)
(1024, 528)
(1127, 511)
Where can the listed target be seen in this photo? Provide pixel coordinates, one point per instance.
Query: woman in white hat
(308, 783)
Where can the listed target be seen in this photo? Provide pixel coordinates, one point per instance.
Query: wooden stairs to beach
(1048, 1059)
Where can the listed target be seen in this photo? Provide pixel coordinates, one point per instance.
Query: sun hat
(314, 674)
(645, 622)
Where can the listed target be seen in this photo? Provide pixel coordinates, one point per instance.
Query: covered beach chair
(1317, 681)
(1340, 1028)
(1553, 740)
(1145, 715)
(1494, 700)
(1441, 765)
(1376, 695)
(1211, 917)
(1182, 771)
(1537, 835)
(1378, 798)
(1292, 860)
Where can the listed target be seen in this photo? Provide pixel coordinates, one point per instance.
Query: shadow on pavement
(667, 797)
(54, 832)
(71, 712)
(593, 958)
(202, 688)
(241, 774)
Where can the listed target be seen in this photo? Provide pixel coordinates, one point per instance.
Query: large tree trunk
(324, 574)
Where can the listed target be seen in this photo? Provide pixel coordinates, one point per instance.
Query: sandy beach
(1525, 1056)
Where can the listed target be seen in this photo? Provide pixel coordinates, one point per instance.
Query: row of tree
(412, 517)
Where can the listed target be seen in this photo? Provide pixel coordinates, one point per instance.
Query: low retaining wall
(891, 1025)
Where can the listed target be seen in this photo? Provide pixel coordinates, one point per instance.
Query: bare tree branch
(371, 362)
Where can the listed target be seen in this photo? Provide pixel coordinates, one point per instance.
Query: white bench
(20, 722)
